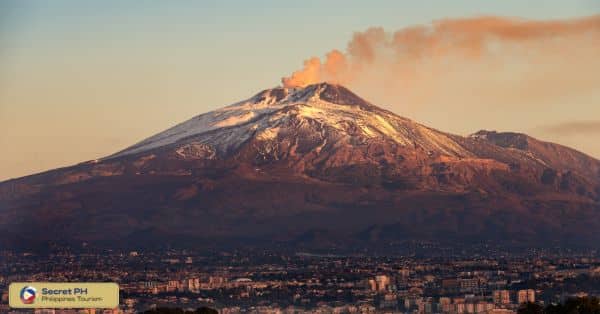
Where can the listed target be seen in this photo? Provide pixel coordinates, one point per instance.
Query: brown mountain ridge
(292, 167)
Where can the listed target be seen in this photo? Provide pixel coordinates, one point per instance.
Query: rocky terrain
(315, 167)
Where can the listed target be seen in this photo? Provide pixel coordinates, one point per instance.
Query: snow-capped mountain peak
(288, 161)
(325, 110)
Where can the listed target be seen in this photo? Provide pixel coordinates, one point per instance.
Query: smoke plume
(463, 75)
(411, 54)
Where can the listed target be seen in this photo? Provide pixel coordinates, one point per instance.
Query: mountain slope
(288, 163)
(318, 108)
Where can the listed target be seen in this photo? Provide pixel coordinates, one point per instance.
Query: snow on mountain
(332, 108)
(286, 162)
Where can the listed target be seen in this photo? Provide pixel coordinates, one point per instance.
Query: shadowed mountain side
(317, 167)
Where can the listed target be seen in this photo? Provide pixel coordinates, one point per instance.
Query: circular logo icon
(28, 295)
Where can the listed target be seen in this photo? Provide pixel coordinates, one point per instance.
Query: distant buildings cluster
(243, 283)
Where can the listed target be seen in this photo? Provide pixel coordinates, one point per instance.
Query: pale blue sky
(82, 79)
(279, 34)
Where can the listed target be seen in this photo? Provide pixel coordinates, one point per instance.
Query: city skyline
(270, 157)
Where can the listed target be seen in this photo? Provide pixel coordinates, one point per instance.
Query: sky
(81, 80)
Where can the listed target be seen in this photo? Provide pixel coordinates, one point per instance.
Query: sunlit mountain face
(313, 166)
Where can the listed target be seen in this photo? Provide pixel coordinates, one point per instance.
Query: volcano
(311, 167)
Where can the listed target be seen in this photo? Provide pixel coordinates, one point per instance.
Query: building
(383, 282)
(193, 284)
(445, 305)
(524, 296)
(468, 284)
(483, 307)
(372, 284)
(501, 297)
(380, 283)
